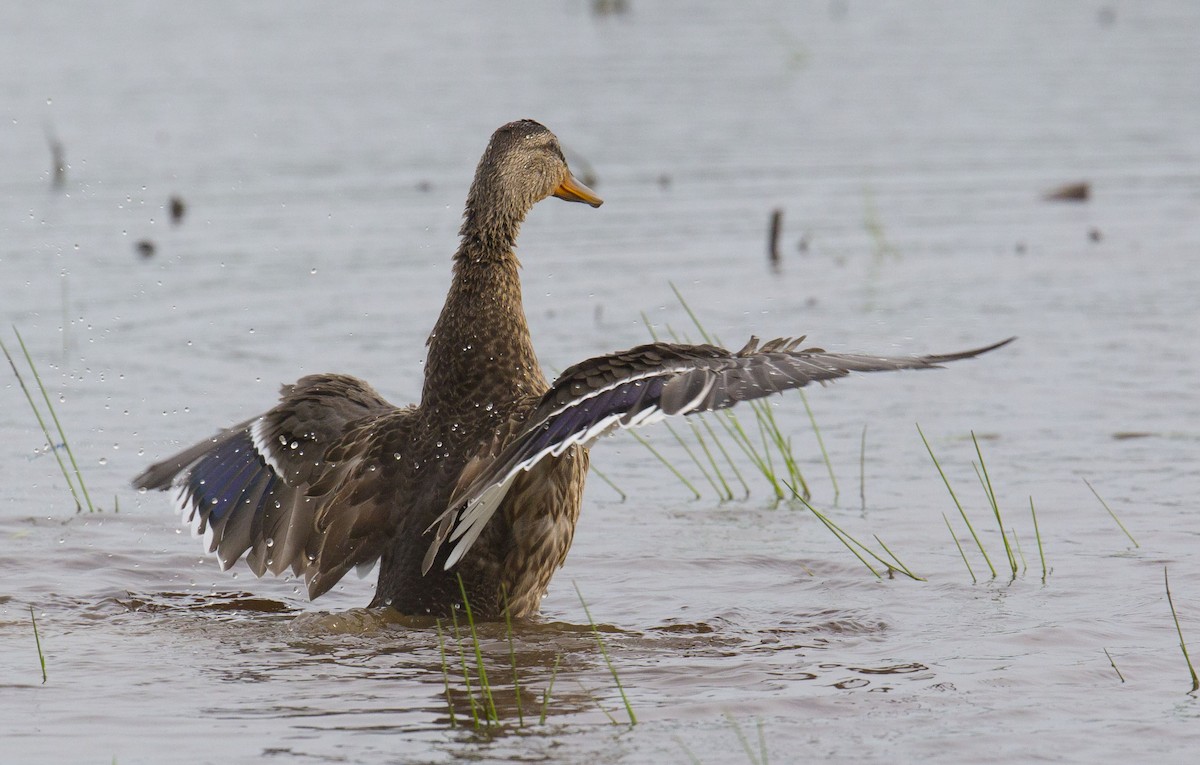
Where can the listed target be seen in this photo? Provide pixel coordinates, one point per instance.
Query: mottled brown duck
(483, 478)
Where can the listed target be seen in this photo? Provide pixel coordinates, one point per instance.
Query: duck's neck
(480, 352)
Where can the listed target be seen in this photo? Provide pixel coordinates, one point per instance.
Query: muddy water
(324, 155)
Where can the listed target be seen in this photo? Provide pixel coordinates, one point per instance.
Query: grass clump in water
(66, 445)
(895, 565)
(479, 691)
(1012, 550)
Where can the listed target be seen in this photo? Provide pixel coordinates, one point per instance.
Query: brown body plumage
(483, 479)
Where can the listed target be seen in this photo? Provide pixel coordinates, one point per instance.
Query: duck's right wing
(303, 486)
(644, 385)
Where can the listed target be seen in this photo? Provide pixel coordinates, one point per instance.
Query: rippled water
(324, 153)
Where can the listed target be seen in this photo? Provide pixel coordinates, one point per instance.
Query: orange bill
(572, 190)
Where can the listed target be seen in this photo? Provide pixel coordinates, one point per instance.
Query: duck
(474, 492)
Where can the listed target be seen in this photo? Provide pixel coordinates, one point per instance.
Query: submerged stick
(1114, 665)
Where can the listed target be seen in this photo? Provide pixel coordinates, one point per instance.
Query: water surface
(324, 154)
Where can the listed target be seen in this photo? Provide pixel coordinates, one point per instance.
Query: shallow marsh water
(324, 155)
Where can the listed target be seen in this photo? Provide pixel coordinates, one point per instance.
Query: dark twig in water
(58, 157)
(1114, 665)
(773, 239)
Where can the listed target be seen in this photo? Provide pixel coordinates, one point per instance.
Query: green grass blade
(691, 314)
(691, 757)
(782, 444)
(480, 669)
(745, 742)
(953, 496)
(1110, 512)
(599, 474)
(649, 327)
(1038, 533)
(462, 655)
(666, 462)
(1179, 630)
(960, 549)
(549, 689)
(695, 460)
(842, 536)
(45, 431)
(991, 495)
(57, 424)
(446, 673)
(38, 640)
(724, 492)
(512, 656)
(821, 443)
(728, 460)
(733, 427)
(596, 701)
(899, 563)
(862, 469)
(607, 660)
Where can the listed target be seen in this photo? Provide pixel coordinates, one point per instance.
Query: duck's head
(523, 164)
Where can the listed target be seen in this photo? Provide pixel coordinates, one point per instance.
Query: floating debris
(145, 248)
(610, 7)
(177, 209)
(1094, 234)
(1071, 192)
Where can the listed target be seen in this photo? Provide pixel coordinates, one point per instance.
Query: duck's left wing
(304, 486)
(644, 385)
